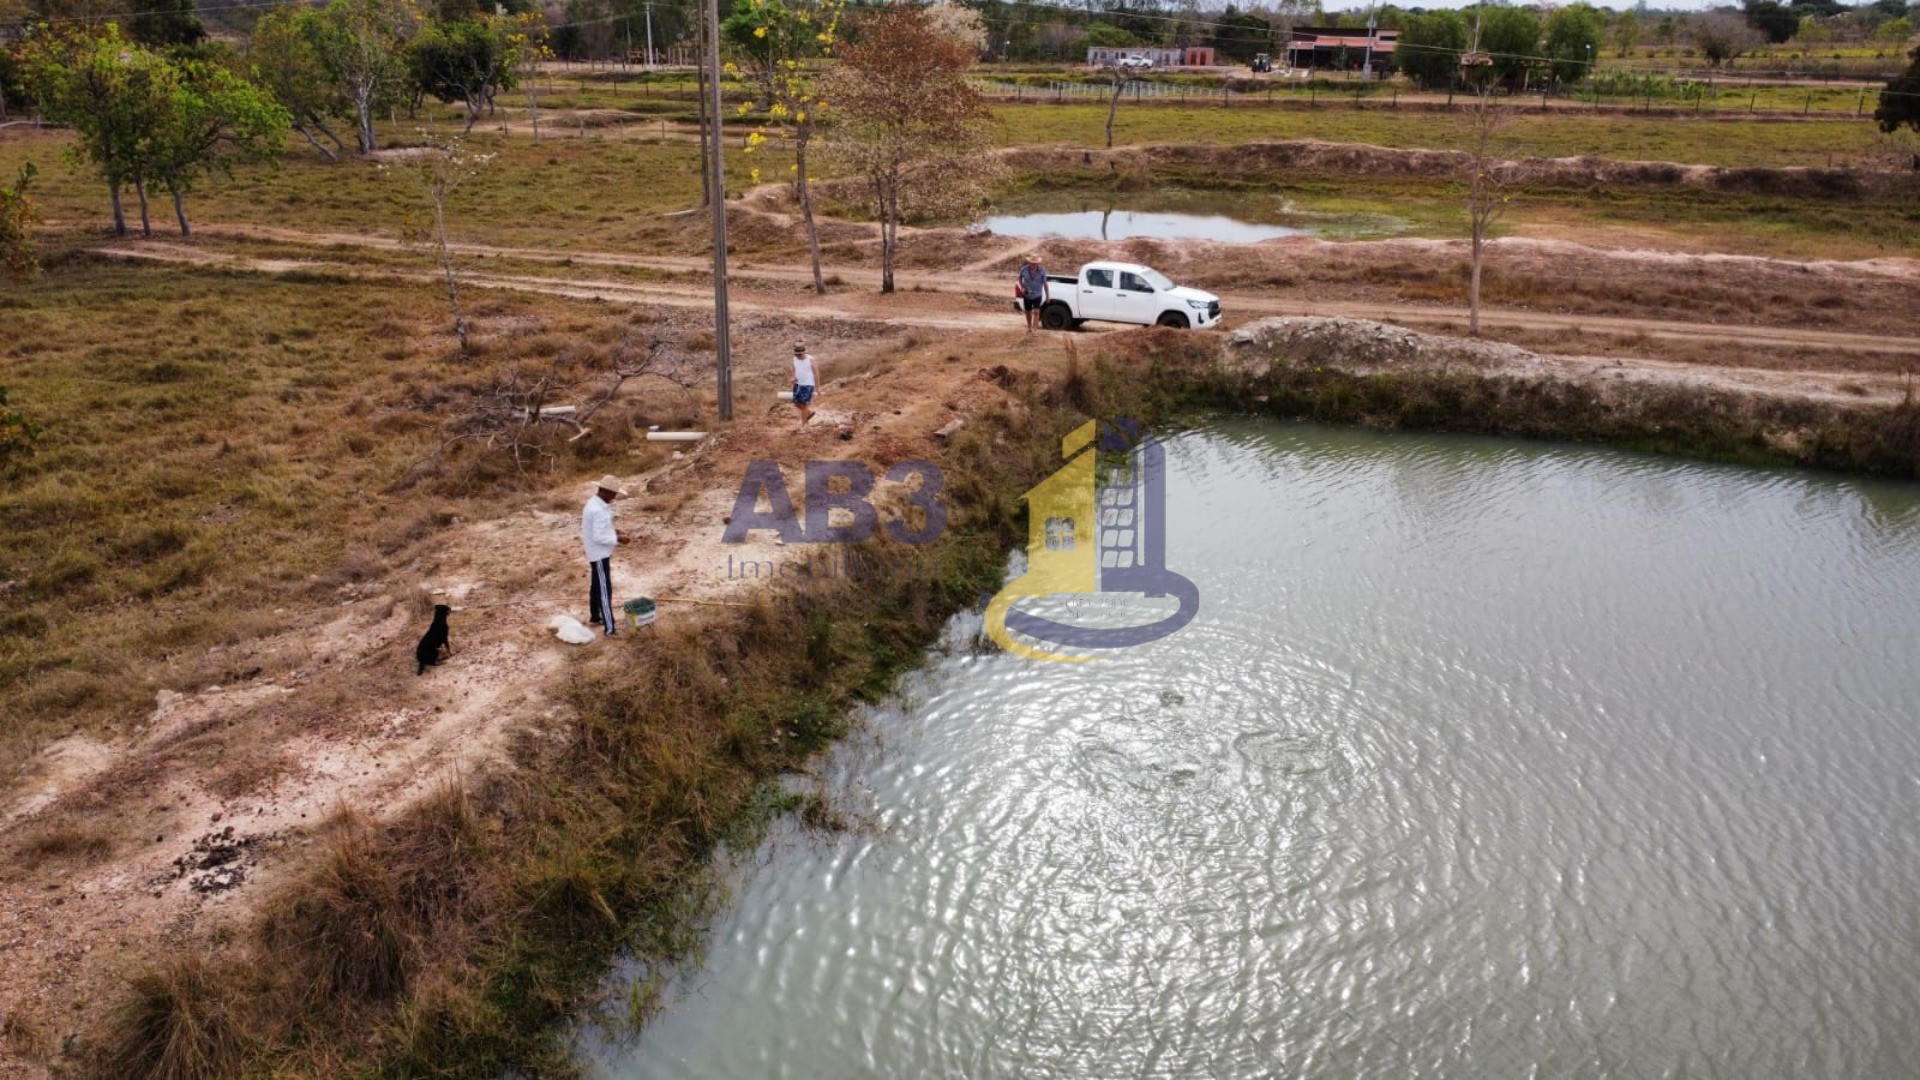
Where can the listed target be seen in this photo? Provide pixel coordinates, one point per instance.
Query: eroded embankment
(458, 937)
(1354, 371)
(1266, 161)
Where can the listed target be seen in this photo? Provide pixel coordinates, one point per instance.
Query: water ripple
(1482, 758)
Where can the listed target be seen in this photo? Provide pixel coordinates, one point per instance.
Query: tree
(1900, 101)
(161, 23)
(1812, 31)
(908, 121)
(115, 94)
(12, 92)
(1430, 47)
(1122, 77)
(17, 219)
(215, 120)
(1239, 34)
(1772, 18)
(437, 173)
(362, 42)
(466, 62)
(1722, 36)
(286, 59)
(1895, 31)
(527, 43)
(1107, 36)
(1572, 41)
(1824, 9)
(1512, 36)
(774, 41)
(1626, 33)
(1488, 180)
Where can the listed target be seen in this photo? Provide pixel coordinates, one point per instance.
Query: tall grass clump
(179, 1021)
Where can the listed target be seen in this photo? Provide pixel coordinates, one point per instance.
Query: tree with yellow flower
(774, 45)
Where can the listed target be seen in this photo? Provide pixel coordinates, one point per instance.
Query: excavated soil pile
(1362, 346)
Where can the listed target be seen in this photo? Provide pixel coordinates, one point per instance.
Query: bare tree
(1122, 77)
(518, 416)
(1489, 177)
(439, 169)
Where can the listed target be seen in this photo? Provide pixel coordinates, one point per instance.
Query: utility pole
(1366, 69)
(649, 37)
(722, 343)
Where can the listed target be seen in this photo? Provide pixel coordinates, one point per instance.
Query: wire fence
(1618, 91)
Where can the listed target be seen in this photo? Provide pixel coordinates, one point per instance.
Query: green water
(1480, 759)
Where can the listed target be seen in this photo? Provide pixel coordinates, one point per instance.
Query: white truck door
(1134, 301)
(1097, 294)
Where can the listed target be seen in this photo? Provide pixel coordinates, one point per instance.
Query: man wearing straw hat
(1032, 289)
(599, 537)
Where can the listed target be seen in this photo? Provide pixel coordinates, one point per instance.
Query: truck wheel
(1174, 320)
(1056, 316)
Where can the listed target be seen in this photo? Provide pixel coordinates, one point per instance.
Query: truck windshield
(1157, 279)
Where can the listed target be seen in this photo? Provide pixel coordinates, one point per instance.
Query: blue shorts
(802, 394)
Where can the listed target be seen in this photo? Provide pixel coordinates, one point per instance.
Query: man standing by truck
(1032, 288)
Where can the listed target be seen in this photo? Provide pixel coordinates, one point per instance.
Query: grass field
(567, 190)
(217, 448)
(1706, 141)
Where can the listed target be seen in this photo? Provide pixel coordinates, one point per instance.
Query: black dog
(434, 640)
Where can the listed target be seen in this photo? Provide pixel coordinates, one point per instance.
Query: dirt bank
(1344, 370)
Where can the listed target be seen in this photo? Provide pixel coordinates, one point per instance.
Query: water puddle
(1129, 224)
(1224, 217)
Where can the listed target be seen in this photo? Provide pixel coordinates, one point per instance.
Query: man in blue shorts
(805, 375)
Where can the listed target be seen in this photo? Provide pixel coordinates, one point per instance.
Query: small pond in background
(1228, 217)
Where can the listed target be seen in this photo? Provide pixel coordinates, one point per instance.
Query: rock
(949, 429)
(164, 703)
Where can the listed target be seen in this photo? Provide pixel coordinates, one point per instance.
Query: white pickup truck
(1125, 293)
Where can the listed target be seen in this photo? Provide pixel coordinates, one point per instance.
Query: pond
(1481, 758)
(1228, 217)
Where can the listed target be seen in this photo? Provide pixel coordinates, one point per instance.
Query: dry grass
(70, 841)
(180, 1021)
(220, 456)
(455, 939)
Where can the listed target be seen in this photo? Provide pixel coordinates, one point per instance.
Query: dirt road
(925, 298)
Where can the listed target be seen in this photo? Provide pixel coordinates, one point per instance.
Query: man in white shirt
(599, 537)
(805, 374)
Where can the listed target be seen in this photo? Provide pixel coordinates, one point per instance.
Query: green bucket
(640, 611)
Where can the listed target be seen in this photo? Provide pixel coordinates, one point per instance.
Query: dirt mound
(1269, 161)
(1361, 345)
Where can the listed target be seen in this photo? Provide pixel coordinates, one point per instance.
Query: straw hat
(611, 483)
(1033, 256)
(799, 347)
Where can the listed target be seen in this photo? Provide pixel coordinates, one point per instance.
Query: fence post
(1862, 107)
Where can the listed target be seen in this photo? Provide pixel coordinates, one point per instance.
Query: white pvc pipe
(675, 436)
